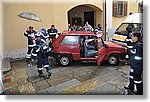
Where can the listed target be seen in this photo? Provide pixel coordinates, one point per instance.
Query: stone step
(82, 87)
(57, 89)
(6, 64)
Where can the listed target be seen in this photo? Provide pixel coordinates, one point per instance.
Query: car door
(101, 51)
(70, 44)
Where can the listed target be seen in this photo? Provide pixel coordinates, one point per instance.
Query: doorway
(89, 16)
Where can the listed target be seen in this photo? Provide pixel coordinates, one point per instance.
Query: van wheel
(64, 60)
(113, 60)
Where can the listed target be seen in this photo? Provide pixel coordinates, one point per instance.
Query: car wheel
(64, 60)
(113, 60)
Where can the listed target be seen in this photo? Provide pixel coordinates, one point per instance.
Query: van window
(125, 28)
(70, 40)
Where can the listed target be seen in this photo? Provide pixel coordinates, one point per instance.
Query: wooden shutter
(125, 8)
(115, 8)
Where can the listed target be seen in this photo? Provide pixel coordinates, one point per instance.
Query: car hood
(114, 45)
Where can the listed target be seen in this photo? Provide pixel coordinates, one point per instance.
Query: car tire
(113, 60)
(64, 61)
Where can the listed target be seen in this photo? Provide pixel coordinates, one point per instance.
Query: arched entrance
(78, 15)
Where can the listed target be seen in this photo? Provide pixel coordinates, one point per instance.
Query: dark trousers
(43, 63)
(136, 79)
(28, 55)
(29, 50)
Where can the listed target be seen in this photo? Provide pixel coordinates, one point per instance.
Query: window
(120, 8)
(140, 7)
(70, 40)
(122, 30)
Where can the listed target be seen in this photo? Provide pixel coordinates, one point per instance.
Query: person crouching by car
(30, 34)
(42, 51)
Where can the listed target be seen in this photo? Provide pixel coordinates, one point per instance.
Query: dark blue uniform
(136, 70)
(31, 42)
(40, 52)
(52, 33)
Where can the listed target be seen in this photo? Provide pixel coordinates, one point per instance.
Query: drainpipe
(108, 17)
(104, 18)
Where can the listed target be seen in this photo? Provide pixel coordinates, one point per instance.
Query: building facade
(60, 13)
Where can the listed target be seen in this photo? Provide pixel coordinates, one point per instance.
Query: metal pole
(104, 19)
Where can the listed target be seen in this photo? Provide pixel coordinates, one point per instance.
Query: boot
(49, 74)
(40, 73)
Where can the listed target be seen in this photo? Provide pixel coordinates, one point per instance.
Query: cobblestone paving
(78, 78)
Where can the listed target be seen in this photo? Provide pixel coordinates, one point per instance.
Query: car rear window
(70, 40)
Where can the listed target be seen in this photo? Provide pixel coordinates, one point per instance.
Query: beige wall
(132, 7)
(52, 12)
(1, 29)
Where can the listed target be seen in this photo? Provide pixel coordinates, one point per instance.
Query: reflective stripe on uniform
(43, 41)
(138, 58)
(25, 32)
(131, 70)
(52, 33)
(129, 47)
(134, 52)
(131, 77)
(30, 45)
(40, 68)
(38, 50)
(45, 47)
(34, 54)
(137, 82)
(28, 55)
(34, 44)
(46, 66)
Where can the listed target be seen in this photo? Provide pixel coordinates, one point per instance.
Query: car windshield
(127, 28)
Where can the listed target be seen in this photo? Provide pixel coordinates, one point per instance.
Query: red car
(81, 46)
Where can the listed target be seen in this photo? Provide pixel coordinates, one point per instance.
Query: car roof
(77, 33)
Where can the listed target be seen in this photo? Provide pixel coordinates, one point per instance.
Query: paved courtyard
(78, 78)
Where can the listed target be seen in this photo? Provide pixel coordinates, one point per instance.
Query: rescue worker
(30, 34)
(43, 35)
(53, 33)
(128, 40)
(42, 50)
(136, 61)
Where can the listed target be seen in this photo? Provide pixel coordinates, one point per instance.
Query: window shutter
(125, 8)
(115, 8)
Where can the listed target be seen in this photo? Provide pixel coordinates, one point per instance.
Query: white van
(121, 32)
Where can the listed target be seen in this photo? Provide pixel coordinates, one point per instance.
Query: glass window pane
(120, 7)
(70, 40)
